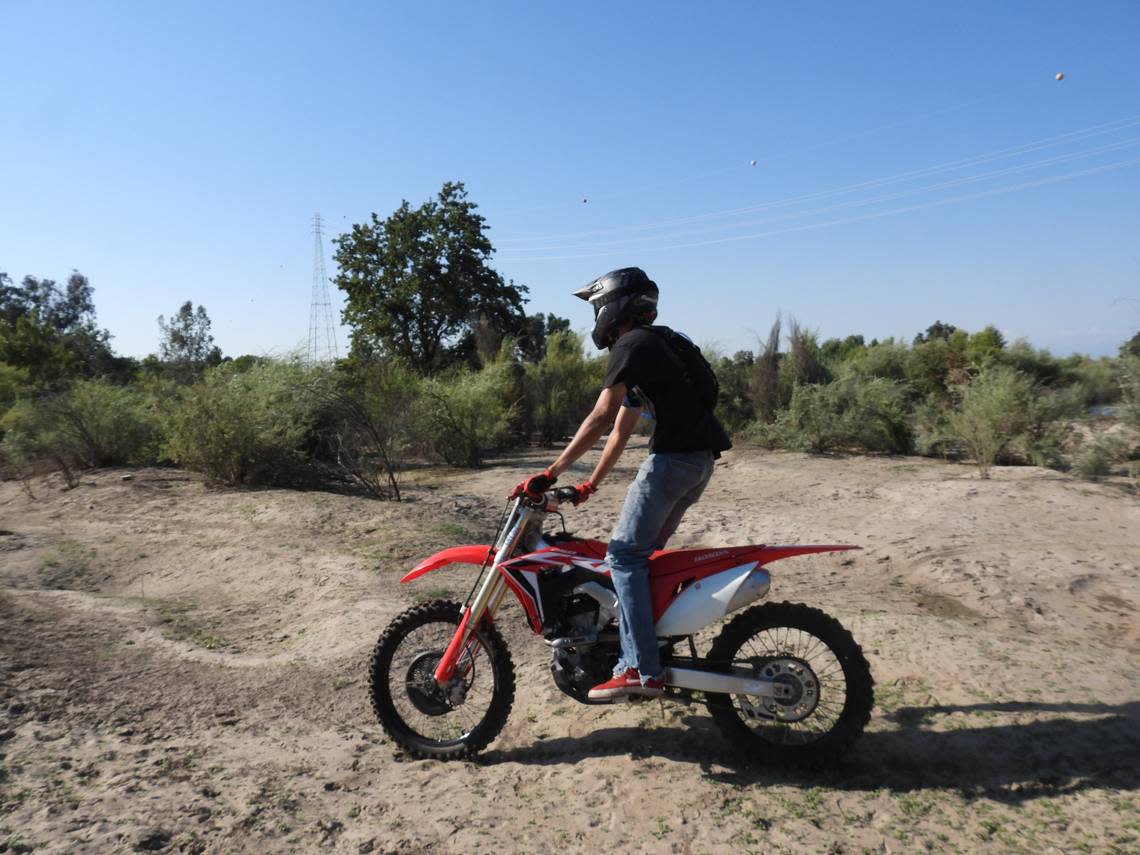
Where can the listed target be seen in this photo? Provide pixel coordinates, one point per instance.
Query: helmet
(621, 295)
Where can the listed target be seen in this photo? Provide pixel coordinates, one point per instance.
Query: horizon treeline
(446, 365)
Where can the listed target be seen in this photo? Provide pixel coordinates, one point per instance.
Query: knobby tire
(379, 687)
(858, 701)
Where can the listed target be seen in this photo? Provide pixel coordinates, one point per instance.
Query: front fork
(485, 605)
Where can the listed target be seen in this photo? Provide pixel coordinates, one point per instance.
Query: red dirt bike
(783, 681)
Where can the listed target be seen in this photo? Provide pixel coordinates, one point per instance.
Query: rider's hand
(584, 491)
(535, 485)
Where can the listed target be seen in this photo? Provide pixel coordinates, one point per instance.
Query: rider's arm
(615, 445)
(594, 425)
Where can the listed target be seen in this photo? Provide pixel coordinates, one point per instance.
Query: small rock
(17, 708)
(366, 847)
(126, 477)
(5, 735)
(152, 839)
(331, 785)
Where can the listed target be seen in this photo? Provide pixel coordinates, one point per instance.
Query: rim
(423, 707)
(796, 657)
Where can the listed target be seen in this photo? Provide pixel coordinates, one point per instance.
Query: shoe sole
(625, 692)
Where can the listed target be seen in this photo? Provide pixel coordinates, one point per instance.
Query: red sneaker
(627, 685)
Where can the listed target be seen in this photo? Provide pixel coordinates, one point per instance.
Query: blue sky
(915, 161)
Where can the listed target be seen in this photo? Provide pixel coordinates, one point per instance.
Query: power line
(871, 216)
(632, 242)
(950, 166)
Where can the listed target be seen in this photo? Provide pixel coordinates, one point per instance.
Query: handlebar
(550, 500)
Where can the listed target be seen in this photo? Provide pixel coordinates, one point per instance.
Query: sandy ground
(182, 669)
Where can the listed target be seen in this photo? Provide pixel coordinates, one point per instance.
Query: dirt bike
(782, 681)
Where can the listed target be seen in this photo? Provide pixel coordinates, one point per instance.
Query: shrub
(765, 384)
(935, 365)
(1097, 457)
(851, 412)
(1048, 425)
(14, 382)
(992, 412)
(734, 406)
(93, 423)
(933, 434)
(1129, 380)
(1097, 379)
(560, 388)
(888, 359)
(365, 427)
(463, 416)
(246, 427)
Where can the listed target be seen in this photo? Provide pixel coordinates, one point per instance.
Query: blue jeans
(666, 485)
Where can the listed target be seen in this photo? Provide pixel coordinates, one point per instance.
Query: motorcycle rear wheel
(414, 711)
(810, 651)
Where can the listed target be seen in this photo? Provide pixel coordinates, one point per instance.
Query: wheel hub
(802, 687)
(423, 691)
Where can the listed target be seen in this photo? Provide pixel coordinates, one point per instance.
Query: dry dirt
(182, 669)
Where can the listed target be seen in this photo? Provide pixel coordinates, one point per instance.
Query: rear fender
(768, 554)
(454, 555)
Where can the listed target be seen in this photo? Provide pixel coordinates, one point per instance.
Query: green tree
(419, 280)
(1131, 347)
(936, 330)
(50, 331)
(534, 332)
(986, 344)
(186, 345)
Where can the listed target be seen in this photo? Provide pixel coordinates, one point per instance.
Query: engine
(585, 643)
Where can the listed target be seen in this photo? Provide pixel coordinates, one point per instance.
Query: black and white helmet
(621, 295)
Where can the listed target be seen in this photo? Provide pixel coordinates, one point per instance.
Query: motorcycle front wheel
(830, 689)
(425, 719)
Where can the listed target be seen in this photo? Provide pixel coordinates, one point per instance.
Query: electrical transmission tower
(322, 329)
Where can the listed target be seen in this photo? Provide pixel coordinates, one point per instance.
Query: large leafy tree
(49, 332)
(420, 281)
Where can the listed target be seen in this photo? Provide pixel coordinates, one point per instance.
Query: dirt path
(183, 669)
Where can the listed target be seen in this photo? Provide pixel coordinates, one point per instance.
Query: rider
(643, 372)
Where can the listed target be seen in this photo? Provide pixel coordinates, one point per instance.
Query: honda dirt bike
(782, 681)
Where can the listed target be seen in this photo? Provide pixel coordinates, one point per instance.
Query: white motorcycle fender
(712, 597)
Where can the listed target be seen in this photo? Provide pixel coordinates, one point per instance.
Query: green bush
(933, 434)
(560, 389)
(246, 426)
(463, 416)
(851, 412)
(93, 423)
(992, 412)
(734, 406)
(1129, 380)
(1097, 458)
(1048, 426)
(365, 428)
(1097, 379)
(887, 359)
(14, 382)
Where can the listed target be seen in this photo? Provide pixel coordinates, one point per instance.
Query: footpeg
(573, 641)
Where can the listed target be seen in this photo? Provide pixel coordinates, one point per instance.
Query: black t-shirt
(646, 364)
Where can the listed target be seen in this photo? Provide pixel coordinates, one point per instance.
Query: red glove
(585, 490)
(535, 485)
